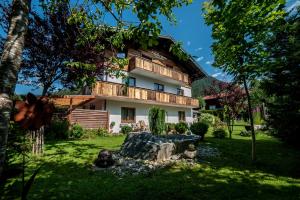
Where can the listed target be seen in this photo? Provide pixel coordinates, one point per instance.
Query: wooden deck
(108, 89)
(141, 63)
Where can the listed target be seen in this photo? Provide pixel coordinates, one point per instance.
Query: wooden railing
(120, 90)
(138, 62)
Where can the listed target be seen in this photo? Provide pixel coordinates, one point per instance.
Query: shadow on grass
(72, 180)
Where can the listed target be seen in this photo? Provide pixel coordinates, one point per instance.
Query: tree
(48, 46)
(9, 67)
(239, 30)
(89, 15)
(282, 82)
(232, 97)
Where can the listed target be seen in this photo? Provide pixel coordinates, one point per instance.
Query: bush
(219, 133)
(126, 129)
(181, 127)
(102, 132)
(208, 119)
(76, 131)
(245, 133)
(58, 129)
(156, 119)
(217, 113)
(170, 127)
(199, 128)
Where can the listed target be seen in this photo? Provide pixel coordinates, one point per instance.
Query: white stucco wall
(141, 111)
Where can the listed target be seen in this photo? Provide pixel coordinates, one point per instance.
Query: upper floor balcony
(121, 92)
(145, 67)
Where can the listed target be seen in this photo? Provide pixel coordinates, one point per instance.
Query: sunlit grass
(67, 174)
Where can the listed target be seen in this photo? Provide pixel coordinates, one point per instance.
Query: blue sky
(192, 32)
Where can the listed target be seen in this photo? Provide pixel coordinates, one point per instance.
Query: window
(92, 106)
(121, 55)
(127, 115)
(212, 107)
(180, 92)
(181, 116)
(159, 87)
(130, 81)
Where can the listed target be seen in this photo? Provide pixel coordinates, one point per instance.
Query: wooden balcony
(117, 91)
(141, 65)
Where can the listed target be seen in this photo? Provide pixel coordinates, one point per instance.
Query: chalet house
(155, 77)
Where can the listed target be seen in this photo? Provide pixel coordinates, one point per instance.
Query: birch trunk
(9, 67)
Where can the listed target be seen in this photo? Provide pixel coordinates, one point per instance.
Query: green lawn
(67, 175)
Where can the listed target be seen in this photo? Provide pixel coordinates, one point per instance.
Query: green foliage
(207, 118)
(199, 128)
(202, 103)
(200, 87)
(76, 131)
(157, 117)
(181, 127)
(58, 129)
(257, 118)
(217, 113)
(245, 133)
(126, 129)
(170, 127)
(219, 133)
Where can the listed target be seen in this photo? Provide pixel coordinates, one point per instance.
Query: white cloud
(208, 62)
(216, 74)
(199, 58)
(188, 43)
(199, 49)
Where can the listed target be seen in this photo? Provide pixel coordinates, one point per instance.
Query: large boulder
(157, 148)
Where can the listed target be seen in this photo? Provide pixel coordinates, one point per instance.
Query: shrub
(217, 113)
(126, 129)
(181, 127)
(245, 133)
(102, 132)
(112, 124)
(58, 129)
(170, 127)
(76, 131)
(90, 133)
(219, 133)
(207, 118)
(156, 119)
(199, 128)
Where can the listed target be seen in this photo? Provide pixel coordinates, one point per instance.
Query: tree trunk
(9, 67)
(251, 120)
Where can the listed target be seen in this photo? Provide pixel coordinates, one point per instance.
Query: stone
(104, 159)
(146, 146)
(190, 154)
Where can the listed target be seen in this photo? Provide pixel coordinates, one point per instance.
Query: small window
(92, 106)
(180, 91)
(212, 107)
(121, 55)
(130, 81)
(159, 87)
(127, 115)
(181, 116)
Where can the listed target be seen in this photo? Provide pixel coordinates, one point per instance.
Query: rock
(190, 154)
(104, 159)
(147, 147)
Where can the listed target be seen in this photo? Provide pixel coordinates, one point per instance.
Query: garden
(224, 170)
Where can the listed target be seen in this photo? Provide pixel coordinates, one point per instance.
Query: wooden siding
(89, 118)
(71, 100)
(119, 90)
(138, 62)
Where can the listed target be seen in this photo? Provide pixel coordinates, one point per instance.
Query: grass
(67, 175)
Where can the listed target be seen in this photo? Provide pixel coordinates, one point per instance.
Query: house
(155, 77)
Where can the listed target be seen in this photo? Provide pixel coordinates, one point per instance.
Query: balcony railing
(141, 63)
(120, 90)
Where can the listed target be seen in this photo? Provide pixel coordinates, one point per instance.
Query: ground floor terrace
(113, 114)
